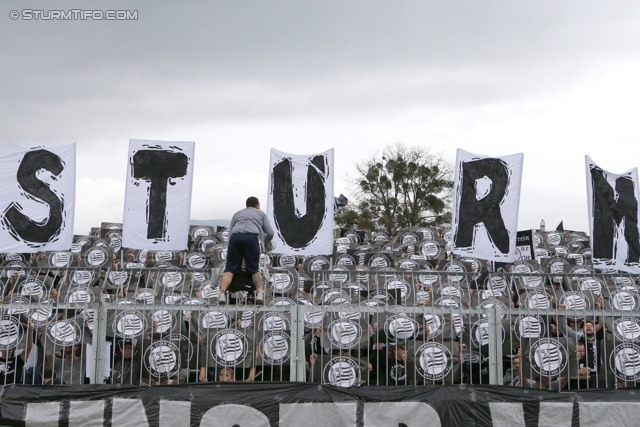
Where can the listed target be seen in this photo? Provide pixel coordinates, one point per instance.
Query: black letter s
(20, 224)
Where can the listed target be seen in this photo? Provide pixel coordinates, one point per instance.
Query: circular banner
(434, 361)
(64, 332)
(548, 357)
(129, 324)
(344, 333)
(342, 372)
(275, 347)
(11, 332)
(162, 359)
(230, 347)
(626, 360)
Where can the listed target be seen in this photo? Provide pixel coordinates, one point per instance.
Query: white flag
(485, 205)
(158, 195)
(613, 218)
(301, 201)
(37, 197)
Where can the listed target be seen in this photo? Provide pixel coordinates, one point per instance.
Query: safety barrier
(345, 327)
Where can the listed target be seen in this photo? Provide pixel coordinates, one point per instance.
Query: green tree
(354, 218)
(405, 186)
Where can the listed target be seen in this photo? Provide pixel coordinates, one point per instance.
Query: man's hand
(584, 372)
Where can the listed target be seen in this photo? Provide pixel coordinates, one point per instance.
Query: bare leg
(257, 281)
(227, 277)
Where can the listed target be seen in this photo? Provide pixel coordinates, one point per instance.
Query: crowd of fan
(412, 268)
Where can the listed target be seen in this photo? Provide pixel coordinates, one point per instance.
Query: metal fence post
(98, 343)
(297, 346)
(495, 346)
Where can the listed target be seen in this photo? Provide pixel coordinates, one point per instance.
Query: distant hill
(212, 222)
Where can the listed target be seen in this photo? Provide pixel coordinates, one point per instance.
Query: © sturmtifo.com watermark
(74, 15)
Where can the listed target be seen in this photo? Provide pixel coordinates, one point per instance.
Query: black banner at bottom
(311, 405)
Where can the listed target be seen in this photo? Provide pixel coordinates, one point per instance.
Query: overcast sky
(553, 80)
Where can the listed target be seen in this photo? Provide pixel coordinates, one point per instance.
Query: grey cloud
(183, 69)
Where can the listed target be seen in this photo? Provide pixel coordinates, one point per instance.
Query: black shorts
(243, 246)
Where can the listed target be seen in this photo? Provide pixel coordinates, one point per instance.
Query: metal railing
(345, 327)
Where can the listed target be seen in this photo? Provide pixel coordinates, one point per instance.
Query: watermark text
(74, 15)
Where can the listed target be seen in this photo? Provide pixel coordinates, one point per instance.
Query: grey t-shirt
(251, 220)
(69, 372)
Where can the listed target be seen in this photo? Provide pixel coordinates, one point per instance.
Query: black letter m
(610, 209)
